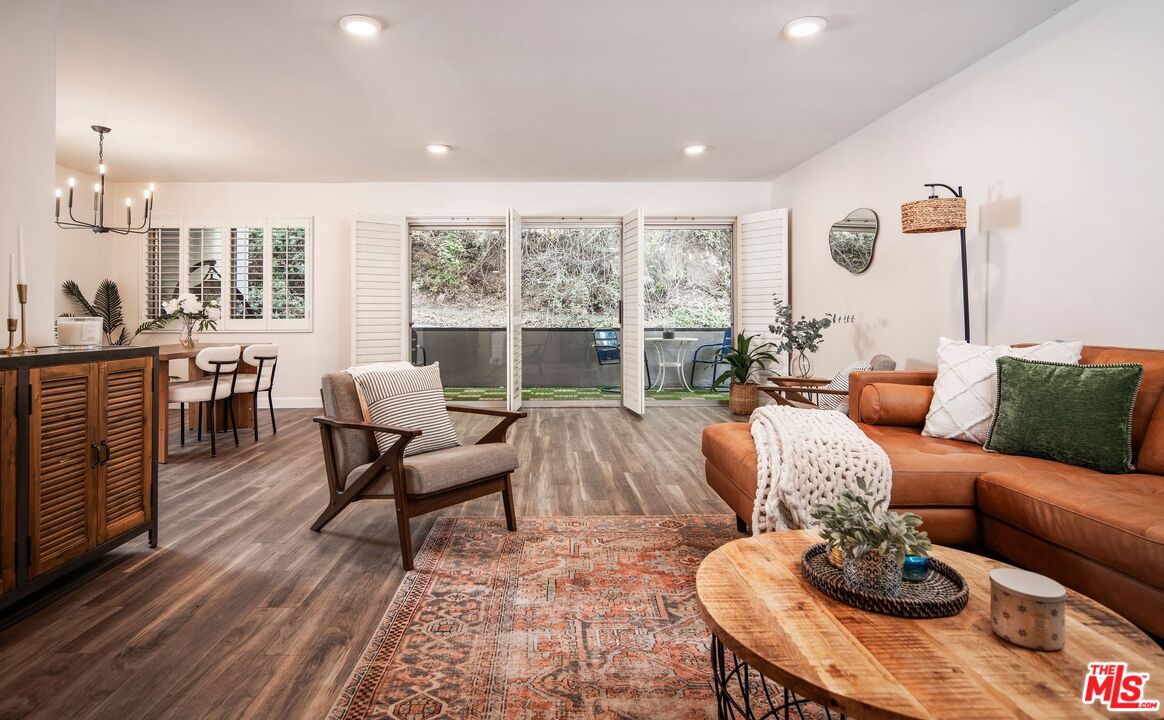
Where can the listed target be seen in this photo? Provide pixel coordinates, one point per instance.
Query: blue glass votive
(915, 568)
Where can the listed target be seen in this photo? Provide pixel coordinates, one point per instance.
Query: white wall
(305, 357)
(28, 153)
(1066, 122)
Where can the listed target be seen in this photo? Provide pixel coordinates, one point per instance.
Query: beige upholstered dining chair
(418, 484)
(221, 366)
(263, 358)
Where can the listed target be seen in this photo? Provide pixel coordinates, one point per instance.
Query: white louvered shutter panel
(513, 295)
(379, 281)
(163, 264)
(761, 270)
(632, 331)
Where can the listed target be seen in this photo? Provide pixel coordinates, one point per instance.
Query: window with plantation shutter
(258, 269)
(204, 260)
(289, 273)
(162, 269)
(246, 273)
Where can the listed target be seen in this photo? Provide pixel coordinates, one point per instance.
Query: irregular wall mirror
(851, 240)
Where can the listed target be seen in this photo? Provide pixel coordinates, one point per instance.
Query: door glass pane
(458, 308)
(570, 303)
(688, 277)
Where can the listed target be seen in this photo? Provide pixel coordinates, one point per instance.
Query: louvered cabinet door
(62, 470)
(124, 477)
(7, 481)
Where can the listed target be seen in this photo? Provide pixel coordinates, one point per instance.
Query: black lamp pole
(965, 282)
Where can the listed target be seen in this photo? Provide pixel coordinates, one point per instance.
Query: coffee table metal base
(741, 692)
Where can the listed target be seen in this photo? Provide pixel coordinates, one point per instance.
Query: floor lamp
(935, 214)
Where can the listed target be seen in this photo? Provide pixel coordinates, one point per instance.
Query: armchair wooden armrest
(407, 433)
(497, 434)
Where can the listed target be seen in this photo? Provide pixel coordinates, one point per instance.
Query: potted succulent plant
(872, 540)
(744, 361)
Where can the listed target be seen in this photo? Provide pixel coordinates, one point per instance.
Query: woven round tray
(943, 593)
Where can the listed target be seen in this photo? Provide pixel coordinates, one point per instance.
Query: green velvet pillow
(1075, 414)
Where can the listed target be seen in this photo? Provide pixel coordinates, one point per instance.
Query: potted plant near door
(744, 361)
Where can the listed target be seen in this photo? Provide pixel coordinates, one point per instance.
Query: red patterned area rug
(582, 617)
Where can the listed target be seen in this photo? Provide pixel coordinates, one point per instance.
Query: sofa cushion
(444, 469)
(1117, 520)
(895, 404)
(1147, 419)
(729, 446)
(930, 471)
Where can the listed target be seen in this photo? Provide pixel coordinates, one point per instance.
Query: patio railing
(551, 357)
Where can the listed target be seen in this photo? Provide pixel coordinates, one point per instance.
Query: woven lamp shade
(933, 215)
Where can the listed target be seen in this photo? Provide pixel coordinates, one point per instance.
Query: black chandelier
(98, 225)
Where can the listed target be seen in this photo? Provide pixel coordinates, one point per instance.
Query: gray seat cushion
(444, 469)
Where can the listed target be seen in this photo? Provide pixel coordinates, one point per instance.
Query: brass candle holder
(22, 295)
(11, 350)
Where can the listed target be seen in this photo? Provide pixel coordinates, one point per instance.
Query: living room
(513, 360)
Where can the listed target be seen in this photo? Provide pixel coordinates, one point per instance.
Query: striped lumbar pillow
(406, 397)
(840, 381)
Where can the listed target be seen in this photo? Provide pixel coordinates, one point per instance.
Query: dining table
(167, 354)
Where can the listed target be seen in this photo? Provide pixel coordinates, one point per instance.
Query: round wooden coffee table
(778, 639)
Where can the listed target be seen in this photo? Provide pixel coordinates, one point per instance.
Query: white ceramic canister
(1027, 609)
(75, 333)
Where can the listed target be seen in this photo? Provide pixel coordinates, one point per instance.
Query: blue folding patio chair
(716, 360)
(609, 352)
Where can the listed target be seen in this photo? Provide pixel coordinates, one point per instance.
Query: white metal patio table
(680, 344)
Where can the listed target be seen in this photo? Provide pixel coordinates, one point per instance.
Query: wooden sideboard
(78, 460)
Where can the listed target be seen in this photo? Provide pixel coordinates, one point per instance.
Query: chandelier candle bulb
(57, 192)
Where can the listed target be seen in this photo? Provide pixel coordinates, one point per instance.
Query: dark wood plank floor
(244, 613)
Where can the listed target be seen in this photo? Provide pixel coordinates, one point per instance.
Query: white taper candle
(21, 264)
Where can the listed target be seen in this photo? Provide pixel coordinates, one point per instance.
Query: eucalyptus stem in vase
(801, 337)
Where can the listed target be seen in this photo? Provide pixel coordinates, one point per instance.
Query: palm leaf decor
(107, 306)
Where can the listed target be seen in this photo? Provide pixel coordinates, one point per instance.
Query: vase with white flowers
(194, 316)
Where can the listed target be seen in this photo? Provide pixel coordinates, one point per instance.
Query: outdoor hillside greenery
(570, 277)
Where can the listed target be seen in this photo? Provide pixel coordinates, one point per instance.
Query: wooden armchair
(419, 484)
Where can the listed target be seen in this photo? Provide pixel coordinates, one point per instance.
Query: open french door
(760, 272)
(379, 289)
(513, 310)
(633, 247)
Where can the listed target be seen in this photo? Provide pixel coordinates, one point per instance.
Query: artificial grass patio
(470, 394)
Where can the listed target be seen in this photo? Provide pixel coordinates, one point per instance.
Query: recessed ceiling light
(805, 26)
(361, 25)
(438, 149)
(695, 149)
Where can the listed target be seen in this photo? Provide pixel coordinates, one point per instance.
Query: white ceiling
(266, 90)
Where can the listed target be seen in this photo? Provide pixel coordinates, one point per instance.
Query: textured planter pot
(875, 574)
(743, 398)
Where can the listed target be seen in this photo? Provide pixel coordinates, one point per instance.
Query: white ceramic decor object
(1027, 609)
(79, 333)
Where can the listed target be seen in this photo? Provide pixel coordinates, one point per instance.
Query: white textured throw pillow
(840, 381)
(967, 384)
(406, 397)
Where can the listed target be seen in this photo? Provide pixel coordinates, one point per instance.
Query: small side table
(680, 344)
(783, 381)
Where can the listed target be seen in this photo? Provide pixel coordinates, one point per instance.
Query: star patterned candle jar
(1027, 609)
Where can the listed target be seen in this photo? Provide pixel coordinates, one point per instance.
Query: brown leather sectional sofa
(1100, 534)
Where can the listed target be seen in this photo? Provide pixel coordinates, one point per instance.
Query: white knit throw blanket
(805, 457)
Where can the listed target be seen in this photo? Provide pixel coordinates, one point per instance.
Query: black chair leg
(233, 424)
(271, 405)
(255, 413)
(200, 421)
(182, 423)
(213, 430)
